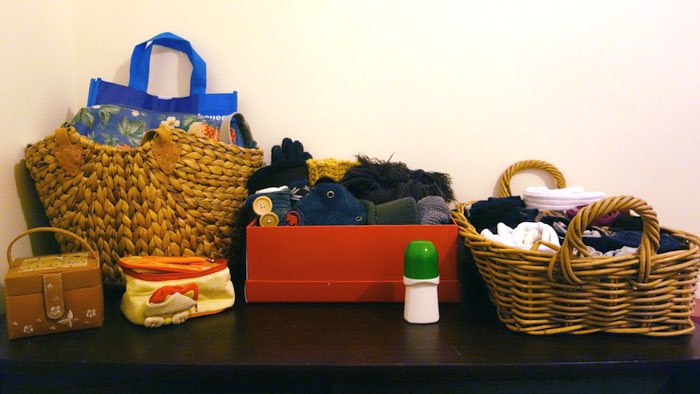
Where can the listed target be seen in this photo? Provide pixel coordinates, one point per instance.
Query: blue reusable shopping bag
(117, 125)
(214, 105)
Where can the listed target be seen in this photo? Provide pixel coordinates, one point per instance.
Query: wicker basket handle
(504, 182)
(164, 149)
(651, 234)
(83, 242)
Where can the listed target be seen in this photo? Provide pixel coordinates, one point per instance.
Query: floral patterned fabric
(121, 126)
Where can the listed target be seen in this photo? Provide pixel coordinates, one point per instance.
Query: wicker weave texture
(177, 194)
(572, 292)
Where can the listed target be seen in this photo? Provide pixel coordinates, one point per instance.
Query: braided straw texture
(571, 292)
(132, 202)
(332, 168)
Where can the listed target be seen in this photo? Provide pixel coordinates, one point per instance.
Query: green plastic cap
(420, 260)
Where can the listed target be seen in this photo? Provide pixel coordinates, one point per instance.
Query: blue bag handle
(141, 62)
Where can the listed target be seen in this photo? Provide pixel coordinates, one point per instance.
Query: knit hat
(330, 168)
(287, 173)
(433, 210)
(327, 204)
(401, 211)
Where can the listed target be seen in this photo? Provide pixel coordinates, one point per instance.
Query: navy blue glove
(287, 168)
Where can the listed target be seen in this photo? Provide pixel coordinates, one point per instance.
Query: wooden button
(262, 205)
(269, 219)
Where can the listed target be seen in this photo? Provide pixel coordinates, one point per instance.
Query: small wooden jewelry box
(54, 293)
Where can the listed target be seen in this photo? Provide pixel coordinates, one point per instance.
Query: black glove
(287, 168)
(289, 151)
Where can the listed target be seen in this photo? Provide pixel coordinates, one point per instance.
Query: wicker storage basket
(571, 292)
(176, 194)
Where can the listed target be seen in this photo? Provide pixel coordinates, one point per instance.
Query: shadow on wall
(33, 210)
(69, 115)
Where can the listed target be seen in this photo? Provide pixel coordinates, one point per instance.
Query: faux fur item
(382, 181)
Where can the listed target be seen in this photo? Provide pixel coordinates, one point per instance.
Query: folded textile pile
(508, 210)
(543, 198)
(524, 235)
(296, 189)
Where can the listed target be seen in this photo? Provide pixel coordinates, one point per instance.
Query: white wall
(609, 91)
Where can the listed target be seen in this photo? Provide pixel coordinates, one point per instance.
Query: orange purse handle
(82, 241)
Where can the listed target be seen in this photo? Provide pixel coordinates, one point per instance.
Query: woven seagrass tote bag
(570, 291)
(177, 194)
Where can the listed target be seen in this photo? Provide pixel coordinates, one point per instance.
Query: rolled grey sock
(433, 210)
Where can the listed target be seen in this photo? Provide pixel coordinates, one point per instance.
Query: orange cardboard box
(342, 263)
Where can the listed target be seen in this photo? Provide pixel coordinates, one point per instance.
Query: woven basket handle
(651, 234)
(83, 242)
(164, 149)
(504, 182)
